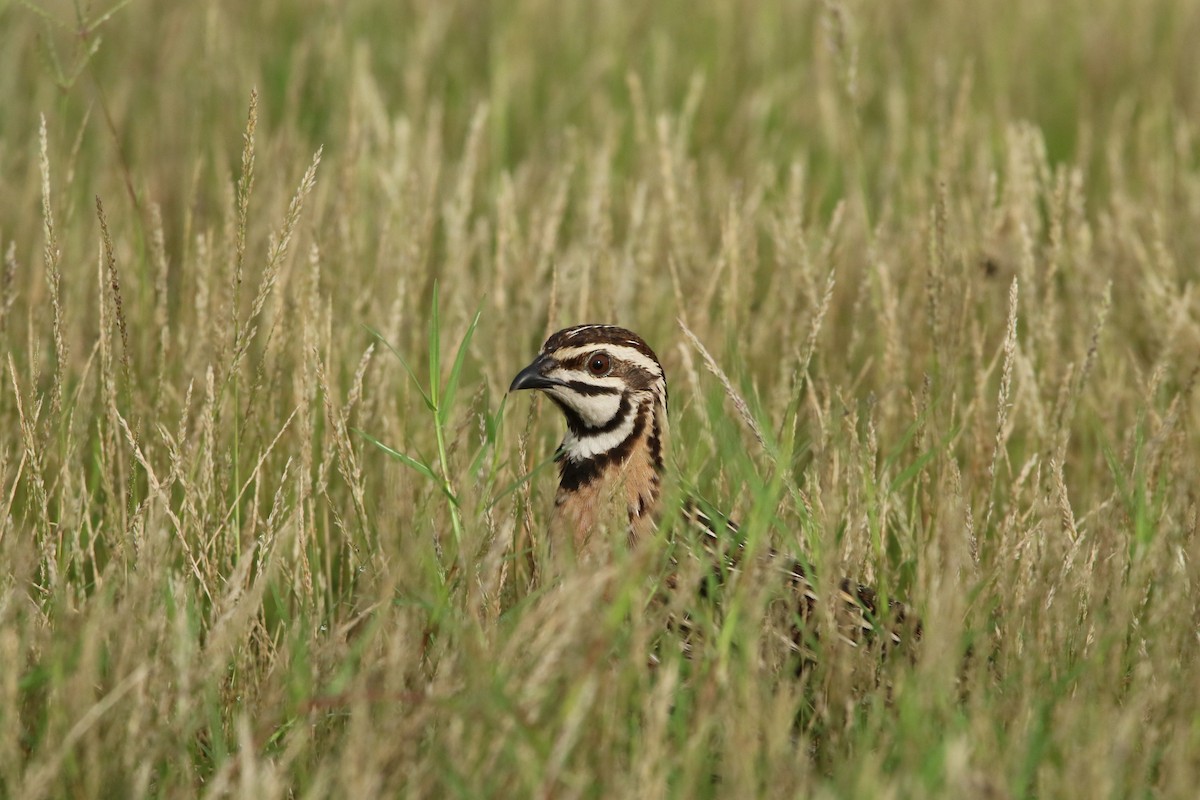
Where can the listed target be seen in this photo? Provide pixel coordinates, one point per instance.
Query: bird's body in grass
(612, 390)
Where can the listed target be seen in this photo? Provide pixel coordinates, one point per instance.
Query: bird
(612, 391)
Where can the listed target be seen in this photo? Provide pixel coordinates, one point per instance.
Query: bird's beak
(533, 376)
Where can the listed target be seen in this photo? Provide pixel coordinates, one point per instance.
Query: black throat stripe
(573, 475)
(591, 389)
(582, 430)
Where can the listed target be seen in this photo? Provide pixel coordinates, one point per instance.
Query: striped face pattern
(610, 387)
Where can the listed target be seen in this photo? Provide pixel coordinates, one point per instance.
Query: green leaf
(901, 445)
(912, 470)
(517, 484)
(435, 351)
(491, 429)
(455, 371)
(412, 375)
(407, 460)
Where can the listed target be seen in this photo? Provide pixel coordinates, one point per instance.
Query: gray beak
(533, 377)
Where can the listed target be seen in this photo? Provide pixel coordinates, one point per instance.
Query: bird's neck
(610, 478)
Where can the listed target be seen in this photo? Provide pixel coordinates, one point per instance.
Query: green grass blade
(517, 484)
(447, 400)
(407, 460)
(491, 436)
(412, 375)
(435, 351)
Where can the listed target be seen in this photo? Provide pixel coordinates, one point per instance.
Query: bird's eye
(599, 365)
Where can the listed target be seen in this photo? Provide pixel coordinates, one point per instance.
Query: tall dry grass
(942, 254)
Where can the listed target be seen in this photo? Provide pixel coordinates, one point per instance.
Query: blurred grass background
(947, 251)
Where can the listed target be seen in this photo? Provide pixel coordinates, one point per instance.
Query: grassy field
(946, 252)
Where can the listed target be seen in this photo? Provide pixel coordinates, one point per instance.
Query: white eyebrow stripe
(620, 351)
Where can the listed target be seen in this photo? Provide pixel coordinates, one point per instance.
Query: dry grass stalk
(739, 404)
(211, 586)
(51, 258)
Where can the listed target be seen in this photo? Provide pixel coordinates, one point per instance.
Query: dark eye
(599, 364)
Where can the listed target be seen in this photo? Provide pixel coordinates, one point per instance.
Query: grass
(923, 276)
